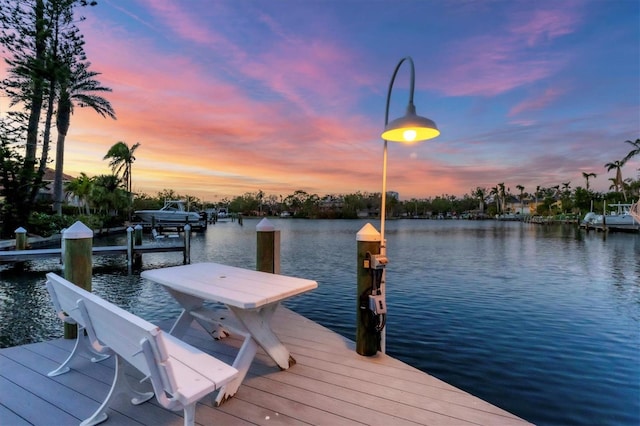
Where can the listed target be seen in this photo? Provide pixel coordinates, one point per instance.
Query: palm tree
(538, 194)
(618, 180)
(503, 196)
(566, 196)
(78, 88)
(551, 197)
(587, 176)
(635, 151)
(81, 187)
(480, 194)
(521, 189)
(108, 194)
(614, 184)
(496, 195)
(122, 159)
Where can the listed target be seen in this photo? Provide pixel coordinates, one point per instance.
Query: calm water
(541, 321)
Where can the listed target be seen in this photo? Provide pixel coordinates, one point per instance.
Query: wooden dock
(329, 385)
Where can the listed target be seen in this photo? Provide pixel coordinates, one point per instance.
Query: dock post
(367, 338)
(268, 247)
(137, 241)
(129, 246)
(78, 246)
(62, 248)
(21, 238)
(187, 244)
(137, 231)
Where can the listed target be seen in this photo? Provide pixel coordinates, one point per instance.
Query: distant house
(527, 206)
(46, 192)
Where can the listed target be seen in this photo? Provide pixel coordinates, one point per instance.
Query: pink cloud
(541, 25)
(536, 103)
(175, 17)
(491, 65)
(495, 63)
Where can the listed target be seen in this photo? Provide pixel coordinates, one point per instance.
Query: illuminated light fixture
(409, 129)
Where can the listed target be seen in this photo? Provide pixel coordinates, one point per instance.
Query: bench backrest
(65, 301)
(120, 330)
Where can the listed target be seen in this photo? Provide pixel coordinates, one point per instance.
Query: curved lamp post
(409, 128)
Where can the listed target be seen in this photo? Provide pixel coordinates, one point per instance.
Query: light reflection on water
(542, 321)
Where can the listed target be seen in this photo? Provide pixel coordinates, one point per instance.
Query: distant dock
(47, 253)
(133, 250)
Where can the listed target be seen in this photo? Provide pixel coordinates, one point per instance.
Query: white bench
(180, 374)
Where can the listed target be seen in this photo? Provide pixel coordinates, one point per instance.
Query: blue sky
(228, 97)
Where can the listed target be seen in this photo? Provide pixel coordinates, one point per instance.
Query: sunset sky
(228, 97)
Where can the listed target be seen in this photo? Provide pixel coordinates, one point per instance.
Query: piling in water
(77, 255)
(21, 238)
(267, 248)
(187, 244)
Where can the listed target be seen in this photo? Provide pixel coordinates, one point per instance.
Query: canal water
(543, 321)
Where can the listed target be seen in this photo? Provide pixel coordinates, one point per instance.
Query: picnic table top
(239, 287)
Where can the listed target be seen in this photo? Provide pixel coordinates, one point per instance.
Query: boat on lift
(173, 212)
(622, 218)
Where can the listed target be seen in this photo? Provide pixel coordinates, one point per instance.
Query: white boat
(173, 212)
(588, 219)
(619, 219)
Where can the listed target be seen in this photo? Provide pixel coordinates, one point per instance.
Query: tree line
(479, 202)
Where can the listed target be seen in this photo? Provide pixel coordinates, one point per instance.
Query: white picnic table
(251, 297)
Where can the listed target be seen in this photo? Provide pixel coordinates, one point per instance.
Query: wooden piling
(367, 338)
(267, 248)
(77, 255)
(21, 238)
(62, 249)
(187, 244)
(21, 243)
(137, 231)
(137, 241)
(129, 246)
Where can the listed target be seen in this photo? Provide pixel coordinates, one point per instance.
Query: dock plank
(329, 385)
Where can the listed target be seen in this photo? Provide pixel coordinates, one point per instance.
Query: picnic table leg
(257, 322)
(241, 363)
(188, 304)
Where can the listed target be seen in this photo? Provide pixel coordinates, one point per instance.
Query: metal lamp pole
(408, 128)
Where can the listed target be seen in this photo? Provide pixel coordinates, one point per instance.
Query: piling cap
(368, 233)
(20, 230)
(77, 231)
(265, 226)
